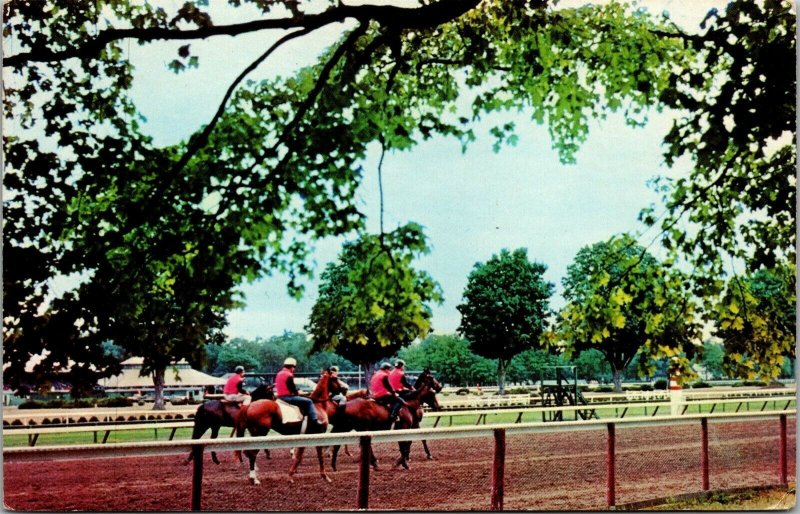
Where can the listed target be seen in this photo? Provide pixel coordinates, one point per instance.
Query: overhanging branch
(425, 16)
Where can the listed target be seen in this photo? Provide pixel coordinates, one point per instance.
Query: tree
(505, 307)
(738, 123)
(276, 167)
(757, 322)
(712, 358)
(372, 302)
(622, 301)
(450, 357)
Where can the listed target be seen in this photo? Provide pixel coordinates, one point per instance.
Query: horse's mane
(320, 393)
(361, 393)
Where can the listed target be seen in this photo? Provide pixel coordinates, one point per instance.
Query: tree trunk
(158, 391)
(617, 377)
(501, 377)
(369, 369)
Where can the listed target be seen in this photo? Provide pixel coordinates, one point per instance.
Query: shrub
(605, 389)
(646, 387)
(31, 404)
(518, 390)
(462, 391)
(115, 402)
(56, 404)
(700, 385)
(661, 383)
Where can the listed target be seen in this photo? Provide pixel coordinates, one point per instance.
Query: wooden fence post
(782, 452)
(365, 443)
(498, 469)
(704, 453)
(197, 476)
(611, 478)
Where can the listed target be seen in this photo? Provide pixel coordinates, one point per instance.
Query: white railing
(270, 442)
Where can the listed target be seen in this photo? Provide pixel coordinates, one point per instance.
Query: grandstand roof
(179, 374)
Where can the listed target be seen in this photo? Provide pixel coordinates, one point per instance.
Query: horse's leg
(214, 434)
(405, 449)
(321, 458)
(297, 458)
(372, 459)
(347, 452)
(427, 451)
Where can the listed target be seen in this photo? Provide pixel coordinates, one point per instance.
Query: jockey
(334, 383)
(234, 388)
(286, 390)
(397, 378)
(383, 392)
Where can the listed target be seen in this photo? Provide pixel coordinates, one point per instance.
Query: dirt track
(557, 471)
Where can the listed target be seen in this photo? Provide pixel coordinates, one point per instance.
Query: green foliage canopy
(372, 302)
(756, 319)
(622, 301)
(88, 194)
(505, 307)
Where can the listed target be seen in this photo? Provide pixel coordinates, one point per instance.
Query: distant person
(286, 390)
(234, 388)
(336, 384)
(383, 392)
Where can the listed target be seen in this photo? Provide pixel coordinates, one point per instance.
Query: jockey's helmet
(290, 362)
(239, 369)
(386, 365)
(333, 369)
(400, 363)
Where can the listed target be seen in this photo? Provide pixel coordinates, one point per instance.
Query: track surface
(556, 471)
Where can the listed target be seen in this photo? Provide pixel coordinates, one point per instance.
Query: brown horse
(363, 414)
(215, 414)
(264, 415)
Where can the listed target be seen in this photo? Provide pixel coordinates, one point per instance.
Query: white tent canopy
(178, 377)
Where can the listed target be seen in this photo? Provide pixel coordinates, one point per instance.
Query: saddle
(290, 413)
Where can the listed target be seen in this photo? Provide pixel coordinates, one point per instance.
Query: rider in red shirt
(383, 392)
(286, 391)
(234, 388)
(397, 377)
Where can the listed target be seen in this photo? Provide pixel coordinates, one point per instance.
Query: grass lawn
(750, 500)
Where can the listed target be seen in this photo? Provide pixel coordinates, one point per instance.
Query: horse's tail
(200, 424)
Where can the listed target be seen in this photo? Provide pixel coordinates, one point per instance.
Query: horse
(424, 377)
(362, 414)
(214, 414)
(261, 416)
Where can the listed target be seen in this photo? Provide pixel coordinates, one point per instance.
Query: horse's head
(428, 387)
(263, 392)
(320, 393)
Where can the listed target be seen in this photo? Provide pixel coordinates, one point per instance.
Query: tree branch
(425, 16)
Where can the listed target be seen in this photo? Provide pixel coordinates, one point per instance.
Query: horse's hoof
(255, 481)
(327, 478)
(430, 457)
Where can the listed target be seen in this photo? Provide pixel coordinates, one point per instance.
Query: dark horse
(261, 416)
(363, 414)
(424, 378)
(215, 414)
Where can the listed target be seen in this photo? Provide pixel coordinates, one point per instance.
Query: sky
(471, 205)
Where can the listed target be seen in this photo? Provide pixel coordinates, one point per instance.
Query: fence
(541, 466)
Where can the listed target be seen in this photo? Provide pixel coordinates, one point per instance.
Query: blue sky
(472, 205)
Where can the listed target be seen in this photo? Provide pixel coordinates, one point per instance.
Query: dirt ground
(554, 471)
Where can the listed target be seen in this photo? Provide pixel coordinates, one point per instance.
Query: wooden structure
(561, 391)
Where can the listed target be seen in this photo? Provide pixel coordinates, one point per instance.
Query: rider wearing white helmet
(286, 390)
(234, 388)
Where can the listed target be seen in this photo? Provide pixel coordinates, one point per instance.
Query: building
(187, 382)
